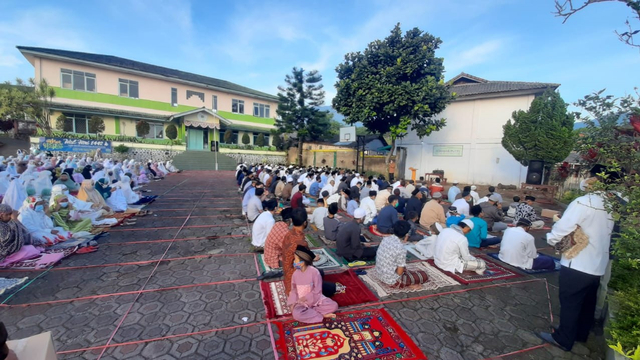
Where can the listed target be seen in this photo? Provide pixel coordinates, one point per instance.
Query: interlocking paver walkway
(161, 290)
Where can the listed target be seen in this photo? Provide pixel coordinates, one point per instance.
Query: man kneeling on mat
(391, 260)
(518, 248)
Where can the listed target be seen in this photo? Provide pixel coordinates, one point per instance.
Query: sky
(256, 43)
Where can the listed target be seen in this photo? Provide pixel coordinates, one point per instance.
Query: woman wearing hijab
(112, 195)
(43, 184)
(5, 181)
(162, 168)
(34, 216)
(15, 241)
(15, 195)
(86, 172)
(65, 180)
(86, 210)
(77, 176)
(67, 217)
(11, 168)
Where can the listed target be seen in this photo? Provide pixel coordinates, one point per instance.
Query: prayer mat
(375, 232)
(530, 271)
(356, 292)
(312, 241)
(532, 229)
(494, 272)
(45, 259)
(326, 261)
(437, 279)
(8, 284)
(363, 335)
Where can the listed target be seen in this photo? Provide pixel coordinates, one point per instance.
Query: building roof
(465, 85)
(133, 65)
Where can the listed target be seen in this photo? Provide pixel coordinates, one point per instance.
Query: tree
(544, 132)
(17, 102)
(42, 106)
(96, 125)
(228, 135)
(171, 132)
(245, 139)
(396, 83)
(260, 140)
(278, 143)
(298, 104)
(62, 124)
(565, 8)
(142, 128)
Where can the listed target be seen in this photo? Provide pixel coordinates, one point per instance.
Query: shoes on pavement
(548, 338)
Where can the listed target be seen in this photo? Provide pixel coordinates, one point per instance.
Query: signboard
(447, 150)
(74, 145)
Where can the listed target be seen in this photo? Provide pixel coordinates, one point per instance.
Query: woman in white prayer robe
(33, 215)
(85, 209)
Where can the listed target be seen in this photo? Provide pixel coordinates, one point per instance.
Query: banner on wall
(447, 150)
(74, 145)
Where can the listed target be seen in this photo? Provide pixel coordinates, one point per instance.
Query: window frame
(261, 110)
(214, 102)
(153, 133)
(87, 77)
(77, 117)
(238, 103)
(174, 91)
(128, 84)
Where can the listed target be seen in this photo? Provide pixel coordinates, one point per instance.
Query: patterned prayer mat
(437, 280)
(326, 261)
(363, 335)
(356, 292)
(45, 259)
(494, 272)
(312, 241)
(412, 249)
(8, 284)
(529, 271)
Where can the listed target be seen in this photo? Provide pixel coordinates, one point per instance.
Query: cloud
(460, 60)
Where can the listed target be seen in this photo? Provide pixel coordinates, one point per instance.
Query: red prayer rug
(363, 335)
(494, 272)
(356, 292)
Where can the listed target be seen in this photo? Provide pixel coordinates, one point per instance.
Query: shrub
(228, 134)
(260, 140)
(62, 124)
(171, 131)
(245, 139)
(121, 149)
(277, 141)
(143, 128)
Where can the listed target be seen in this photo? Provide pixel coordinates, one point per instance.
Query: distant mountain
(578, 125)
(336, 116)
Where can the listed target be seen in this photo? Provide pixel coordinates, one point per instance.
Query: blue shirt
(323, 180)
(352, 205)
(478, 233)
(454, 220)
(386, 218)
(314, 189)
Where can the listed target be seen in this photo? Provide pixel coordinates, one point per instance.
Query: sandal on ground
(357, 263)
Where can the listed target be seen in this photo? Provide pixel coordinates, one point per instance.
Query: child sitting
(412, 218)
(453, 217)
(512, 207)
(307, 303)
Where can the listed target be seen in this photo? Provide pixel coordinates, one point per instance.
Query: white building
(469, 147)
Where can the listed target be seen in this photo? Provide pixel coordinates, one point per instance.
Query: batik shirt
(291, 240)
(525, 211)
(391, 255)
(273, 245)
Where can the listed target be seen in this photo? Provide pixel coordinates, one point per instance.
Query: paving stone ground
(161, 290)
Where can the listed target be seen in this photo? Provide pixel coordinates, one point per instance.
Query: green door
(195, 139)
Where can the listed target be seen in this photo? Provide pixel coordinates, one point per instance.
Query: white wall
(476, 125)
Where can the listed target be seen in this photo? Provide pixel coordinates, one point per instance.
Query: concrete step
(203, 160)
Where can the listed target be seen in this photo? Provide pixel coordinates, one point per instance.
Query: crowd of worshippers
(52, 202)
(442, 227)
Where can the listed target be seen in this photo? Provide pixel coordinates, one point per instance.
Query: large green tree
(297, 109)
(394, 84)
(544, 132)
(27, 100)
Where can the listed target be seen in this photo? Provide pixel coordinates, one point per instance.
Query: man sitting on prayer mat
(518, 248)
(525, 210)
(451, 251)
(321, 212)
(493, 214)
(433, 212)
(331, 224)
(454, 218)
(350, 241)
(368, 204)
(273, 245)
(388, 216)
(263, 224)
(478, 237)
(462, 204)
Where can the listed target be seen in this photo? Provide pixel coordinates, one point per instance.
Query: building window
(77, 123)
(156, 131)
(78, 80)
(174, 97)
(261, 110)
(237, 106)
(191, 93)
(214, 102)
(234, 138)
(128, 88)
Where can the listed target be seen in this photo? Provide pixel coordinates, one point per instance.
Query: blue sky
(255, 43)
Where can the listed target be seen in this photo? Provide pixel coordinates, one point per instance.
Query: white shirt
(369, 206)
(589, 212)
(317, 218)
(475, 196)
(328, 188)
(451, 250)
(333, 199)
(463, 206)
(518, 248)
(354, 181)
(374, 186)
(261, 229)
(307, 182)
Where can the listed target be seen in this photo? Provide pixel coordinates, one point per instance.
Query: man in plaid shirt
(273, 244)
